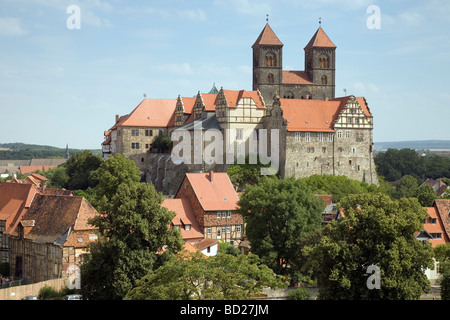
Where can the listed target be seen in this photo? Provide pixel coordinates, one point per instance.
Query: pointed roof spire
(267, 38)
(214, 89)
(320, 39)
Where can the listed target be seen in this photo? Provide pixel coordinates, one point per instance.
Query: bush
(300, 294)
(48, 293)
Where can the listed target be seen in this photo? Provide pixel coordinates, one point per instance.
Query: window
(324, 62)
(218, 233)
(339, 134)
(324, 79)
(353, 150)
(148, 132)
(297, 136)
(310, 149)
(187, 227)
(134, 132)
(347, 134)
(340, 150)
(219, 214)
(271, 60)
(320, 136)
(270, 78)
(307, 136)
(324, 150)
(224, 214)
(239, 134)
(135, 145)
(433, 220)
(349, 120)
(330, 137)
(208, 230)
(238, 228)
(228, 214)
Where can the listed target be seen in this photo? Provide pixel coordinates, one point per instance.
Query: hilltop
(23, 151)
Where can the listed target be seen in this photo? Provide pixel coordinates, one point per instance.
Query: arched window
(324, 62)
(271, 60)
(324, 79)
(270, 78)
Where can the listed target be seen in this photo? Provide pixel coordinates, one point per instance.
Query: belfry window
(270, 78)
(324, 62)
(271, 60)
(324, 79)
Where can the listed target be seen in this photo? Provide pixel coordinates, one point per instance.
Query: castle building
(318, 133)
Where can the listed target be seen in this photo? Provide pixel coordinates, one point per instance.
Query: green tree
(278, 213)
(406, 187)
(192, 276)
(162, 143)
(442, 255)
(112, 172)
(58, 177)
(338, 186)
(134, 239)
(376, 231)
(245, 174)
(426, 195)
(79, 168)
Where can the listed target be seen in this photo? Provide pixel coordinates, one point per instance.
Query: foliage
(376, 230)
(245, 174)
(79, 168)
(442, 255)
(278, 213)
(134, 239)
(49, 293)
(227, 248)
(162, 143)
(338, 186)
(300, 294)
(394, 164)
(111, 173)
(407, 187)
(192, 276)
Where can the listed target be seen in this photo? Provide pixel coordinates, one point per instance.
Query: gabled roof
(234, 97)
(15, 199)
(443, 209)
(213, 190)
(184, 216)
(267, 38)
(320, 39)
(435, 227)
(56, 217)
(149, 113)
(316, 115)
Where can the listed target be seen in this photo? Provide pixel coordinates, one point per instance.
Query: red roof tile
(320, 39)
(184, 215)
(215, 194)
(267, 38)
(149, 113)
(316, 115)
(296, 77)
(435, 227)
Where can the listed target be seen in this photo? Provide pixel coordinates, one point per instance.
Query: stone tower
(320, 62)
(267, 63)
(316, 81)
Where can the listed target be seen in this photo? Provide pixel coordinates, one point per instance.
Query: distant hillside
(432, 145)
(23, 151)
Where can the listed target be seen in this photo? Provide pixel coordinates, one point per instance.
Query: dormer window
(187, 227)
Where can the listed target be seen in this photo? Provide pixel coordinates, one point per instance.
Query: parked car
(73, 297)
(30, 298)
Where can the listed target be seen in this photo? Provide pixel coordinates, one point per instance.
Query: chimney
(211, 176)
(326, 98)
(117, 118)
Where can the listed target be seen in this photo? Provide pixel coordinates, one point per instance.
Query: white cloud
(12, 27)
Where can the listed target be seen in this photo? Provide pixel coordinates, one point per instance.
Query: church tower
(320, 63)
(267, 63)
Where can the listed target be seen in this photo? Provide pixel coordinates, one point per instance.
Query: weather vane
(267, 17)
(320, 21)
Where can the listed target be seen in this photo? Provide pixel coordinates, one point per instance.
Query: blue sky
(61, 85)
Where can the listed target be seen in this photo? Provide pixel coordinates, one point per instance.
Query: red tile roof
(316, 115)
(149, 113)
(216, 193)
(443, 209)
(296, 77)
(184, 215)
(267, 38)
(435, 227)
(320, 39)
(15, 200)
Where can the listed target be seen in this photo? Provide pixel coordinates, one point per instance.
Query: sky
(65, 73)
